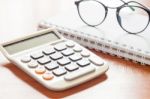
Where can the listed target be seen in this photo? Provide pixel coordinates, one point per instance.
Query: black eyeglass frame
(126, 4)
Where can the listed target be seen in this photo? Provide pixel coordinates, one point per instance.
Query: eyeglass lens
(133, 21)
(93, 13)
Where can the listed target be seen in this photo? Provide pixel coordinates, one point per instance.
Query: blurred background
(22, 16)
(18, 17)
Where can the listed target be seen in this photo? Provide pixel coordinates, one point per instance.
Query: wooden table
(123, 80)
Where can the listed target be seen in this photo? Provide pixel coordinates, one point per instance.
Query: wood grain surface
(123, 80)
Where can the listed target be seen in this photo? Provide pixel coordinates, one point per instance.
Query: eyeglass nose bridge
(77, 3)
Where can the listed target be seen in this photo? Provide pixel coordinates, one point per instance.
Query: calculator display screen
(30, 42)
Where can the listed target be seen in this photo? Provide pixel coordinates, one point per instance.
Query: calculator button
(77, 49)
(71, 67)
(51, 66)
(75, 57)
(25, 59)
(56, 56)
(79, 73)
(85, 54)
(60, 47)
(49, 51)
(37, 55)
(96, 61)
(67, 52)
(59, 71)
(83, 63)
(70, 44)
(48, 76)
(33, 64)
(40, 70)
(44, 60)
(63, 61)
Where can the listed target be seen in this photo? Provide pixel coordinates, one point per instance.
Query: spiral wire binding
(102, 44)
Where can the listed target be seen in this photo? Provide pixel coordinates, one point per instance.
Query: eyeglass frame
(126, 4)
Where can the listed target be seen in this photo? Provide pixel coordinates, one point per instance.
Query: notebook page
(109, 30)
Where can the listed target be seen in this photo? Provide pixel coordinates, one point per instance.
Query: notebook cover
(109, 30)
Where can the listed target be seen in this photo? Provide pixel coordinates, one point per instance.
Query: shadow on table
(53, 94)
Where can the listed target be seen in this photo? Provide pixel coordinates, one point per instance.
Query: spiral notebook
(108, 37)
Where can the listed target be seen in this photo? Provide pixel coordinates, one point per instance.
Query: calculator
(54, 61)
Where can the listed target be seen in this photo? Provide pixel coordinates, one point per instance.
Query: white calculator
(55, 62)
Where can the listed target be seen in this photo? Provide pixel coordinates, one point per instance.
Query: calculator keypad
(79, 73)
(64, 59)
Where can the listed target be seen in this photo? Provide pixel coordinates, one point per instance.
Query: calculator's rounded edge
(5, 53)
(64, 85)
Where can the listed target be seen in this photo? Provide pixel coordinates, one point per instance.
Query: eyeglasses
(93, 13)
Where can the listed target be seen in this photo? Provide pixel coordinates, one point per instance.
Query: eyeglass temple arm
(134, 2)
(127, 4)
(140, 5)
(119, 18)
